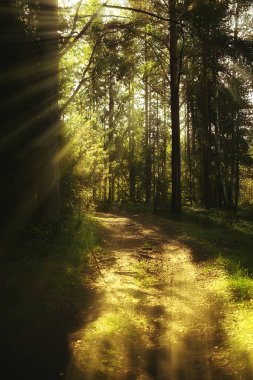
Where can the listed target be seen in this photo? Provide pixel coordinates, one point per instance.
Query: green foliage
(71, 238)
(227, 240)
(106, 120)
(247, 186)
(242, 288)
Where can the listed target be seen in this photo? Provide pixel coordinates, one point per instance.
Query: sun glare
(69, 3)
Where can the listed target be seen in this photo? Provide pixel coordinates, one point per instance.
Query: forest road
(156, 316)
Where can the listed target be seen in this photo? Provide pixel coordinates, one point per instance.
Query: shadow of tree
(138, 332)
(153, 350)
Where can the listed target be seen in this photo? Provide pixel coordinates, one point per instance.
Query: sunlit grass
(241, 327)
(222, 242)
(242, 288)
(237, 278)
(233, 284)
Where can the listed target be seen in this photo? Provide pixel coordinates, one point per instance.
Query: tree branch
(137, 10)
(95, 15)
(83, 79)
(104, 16)
(76, 17)
(157, 38)
(140, 35)
(83, 31)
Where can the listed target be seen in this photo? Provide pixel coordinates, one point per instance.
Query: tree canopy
(137, 101)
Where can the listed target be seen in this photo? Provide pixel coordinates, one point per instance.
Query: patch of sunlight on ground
(219, 285)
(138, 319)
(159, 315)
(237, 353)
(238, 325)
(242, 325)
(104, 347)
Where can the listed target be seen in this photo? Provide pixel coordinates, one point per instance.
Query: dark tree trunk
(148, 157)
(8, 30)
(175, 119)
(188, 148)
(132, 171)
(164, 168)
(193, 149)
(219, 189)
(18, 95)
(232, 180)
(237, 130)
(206, 181)
(237, 168)
(111, 138)
(48, 140)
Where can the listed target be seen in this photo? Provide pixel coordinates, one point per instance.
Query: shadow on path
(158, 318)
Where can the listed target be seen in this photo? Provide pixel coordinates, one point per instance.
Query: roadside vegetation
(223, 242)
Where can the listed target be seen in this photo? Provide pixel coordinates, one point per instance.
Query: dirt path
(156, 316)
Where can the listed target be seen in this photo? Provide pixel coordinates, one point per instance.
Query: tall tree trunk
(18, 128)
(132, 171)
(7, 89)
(175, 119)
(193, 148)
(148, 158)
(155, 159)
(206, 182)
(164, 169)
(48, 140)
(237, 128)
(232, 180)
(188, 148)
(237, 167)
(111, 138)
(219, 187)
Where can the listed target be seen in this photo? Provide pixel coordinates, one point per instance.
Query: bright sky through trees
(67, 3)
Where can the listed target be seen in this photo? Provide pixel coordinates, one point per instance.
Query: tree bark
(48, 183)
(175, 118)
(188, 148)
(148, 158)
(132, 171)
(206, 182)
(111, 138)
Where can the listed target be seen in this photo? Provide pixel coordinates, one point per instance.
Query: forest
(126, 199)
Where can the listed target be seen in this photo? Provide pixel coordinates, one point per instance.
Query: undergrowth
(222, 242)
(50, 260)
(68, 237)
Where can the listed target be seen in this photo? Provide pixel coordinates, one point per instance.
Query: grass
(222, 243)
(222, 237)
(226, 241)
(46, 270)
(44, 276)
(56, 253)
